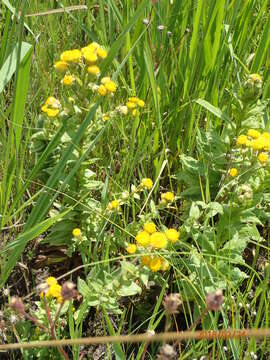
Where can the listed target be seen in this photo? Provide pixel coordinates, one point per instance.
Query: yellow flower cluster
(233, 172)
(146, 183)
(133, 104)
(54, 289)
(76, 232)
(257, 142)
(155, 263)
(107, 86)
(51, 107)
(150, 237)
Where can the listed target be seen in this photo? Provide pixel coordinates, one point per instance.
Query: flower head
(61, 66)
(51, 281)
(149, 227)
(254, 133)
(143, 239)
(155, 264)
(172, 235)
(71, 56)
(241, 140)
(76, 232)
(158, 240)
(131, 248)
(233, 172)
(111, 86)
(146, 260)
(262, 157)
(146, 183)
(113, 205)
(167, 197)
(93, 70)
(68, 80)
(102, 90)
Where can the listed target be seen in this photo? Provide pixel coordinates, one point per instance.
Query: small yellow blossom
(102, 90)
(71, 56)
(51, 281)
(133, 99)
(158, 240)
(155, 264)
(134, 112)
(111, 86)
(130, 105)
(53, 102)
(55, 290)
(172, 235)
(114, 205)
(257, 144)
(233, 172)
(102, 53)
(147, 183)
(143, 239)
(90, 57)
(146, 259)
(61, 66)
(59, 299)
(167, 197)
(93, 70)
(253, 133)
(76, 232)
(131, 248)
(106, 117)
(141, 103)
(94, 46)
(149, 227)
(262, 157)
(71, 100)
(68, 80)
(52, 112)
(241, 140)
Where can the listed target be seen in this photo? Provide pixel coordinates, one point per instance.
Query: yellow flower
(111, 86)
(257, 144)
(53, 102)
(149, 227)
(131, 248)
(131, 105)
(143, 238)
(94, 46)
(106, 117)
(155, 264)
(71, 56)
(44, 108)
(71, 100)
(146, 259)
(68, 80)
(241, 140)
(158, 240)
(93, 70)
(61, 66)
(59, 299)
(134, 112)
(90, 56)
(76, 232)
(102, 90)
(167, 197)
(253, 133)
(52, 112)
(55, 290)
(140, 103)
(102, 53)
(233, 172)
(113, 205)
(262, 157)
(51, 281)
(172, 235)
(147, 183)
(133, 99)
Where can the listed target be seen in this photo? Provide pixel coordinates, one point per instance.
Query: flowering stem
(60, 349)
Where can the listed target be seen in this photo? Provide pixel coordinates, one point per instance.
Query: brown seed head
(17, 305)
(68, 291)
(171, 303)
(214, 300)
